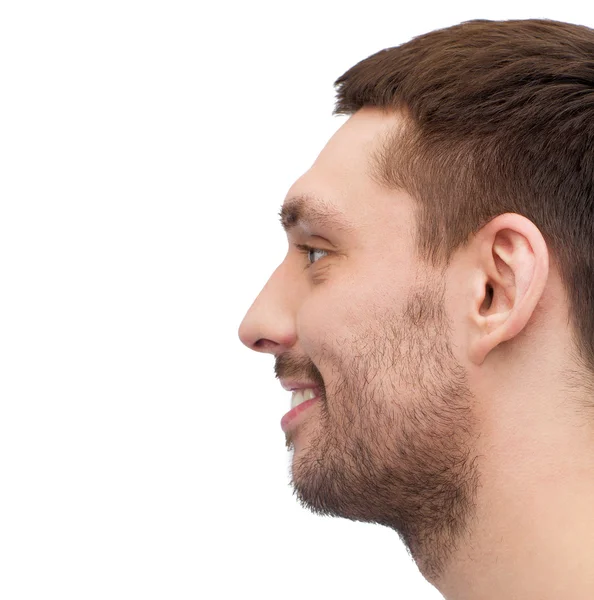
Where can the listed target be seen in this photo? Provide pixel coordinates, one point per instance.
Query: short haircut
(499, 117)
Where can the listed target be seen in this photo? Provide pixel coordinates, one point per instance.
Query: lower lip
(290, 419)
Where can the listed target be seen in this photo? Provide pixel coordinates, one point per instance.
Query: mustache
(297, 367)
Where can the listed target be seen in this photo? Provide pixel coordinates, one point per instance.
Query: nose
(269, 324)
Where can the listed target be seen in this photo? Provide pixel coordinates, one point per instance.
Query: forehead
(339, 191)
(356, 139)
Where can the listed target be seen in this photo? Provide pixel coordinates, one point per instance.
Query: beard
(394, 434)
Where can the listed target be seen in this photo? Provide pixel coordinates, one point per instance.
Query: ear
(512, 268)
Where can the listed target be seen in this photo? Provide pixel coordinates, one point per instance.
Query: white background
(145, 149)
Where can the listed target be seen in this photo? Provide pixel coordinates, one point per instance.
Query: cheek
(350, 306)
(330, 325)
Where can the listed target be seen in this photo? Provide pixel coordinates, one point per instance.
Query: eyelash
(305, 249)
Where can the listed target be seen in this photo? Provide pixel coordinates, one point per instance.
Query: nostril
(264, 345)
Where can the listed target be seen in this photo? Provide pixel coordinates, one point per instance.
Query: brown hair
(500, 118)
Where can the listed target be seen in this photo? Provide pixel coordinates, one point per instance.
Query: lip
(291, 385)
(293, 417)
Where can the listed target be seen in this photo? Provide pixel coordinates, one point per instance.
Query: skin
(447, 410)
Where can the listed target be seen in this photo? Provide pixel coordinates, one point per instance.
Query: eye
(309, 251)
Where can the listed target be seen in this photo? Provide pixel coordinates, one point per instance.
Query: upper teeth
(300, 396)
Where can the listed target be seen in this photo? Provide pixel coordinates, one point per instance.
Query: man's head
(451, 218)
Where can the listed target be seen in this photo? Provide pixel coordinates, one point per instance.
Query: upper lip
(291, 385)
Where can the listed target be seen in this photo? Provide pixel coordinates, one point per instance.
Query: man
(435, 309)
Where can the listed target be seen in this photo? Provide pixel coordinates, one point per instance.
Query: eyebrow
(307, 211)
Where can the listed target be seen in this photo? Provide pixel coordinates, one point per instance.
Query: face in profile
(388, 437)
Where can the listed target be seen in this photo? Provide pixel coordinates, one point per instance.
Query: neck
(532, 531)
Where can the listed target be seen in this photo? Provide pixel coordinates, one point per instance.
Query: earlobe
(513, 267)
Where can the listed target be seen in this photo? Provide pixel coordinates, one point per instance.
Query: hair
(499, 117)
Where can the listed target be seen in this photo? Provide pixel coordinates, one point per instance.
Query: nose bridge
(269, 324)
